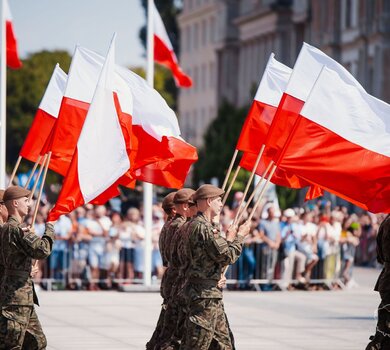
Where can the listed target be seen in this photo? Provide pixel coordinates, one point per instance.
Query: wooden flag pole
(32, 171)
(230, 169)
(231, 185)
(242, 210)
(14, 171)
(251, 177)
(38, 176)
(261, 194)
(46, 166)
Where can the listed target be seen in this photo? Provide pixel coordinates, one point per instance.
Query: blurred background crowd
(310, 247)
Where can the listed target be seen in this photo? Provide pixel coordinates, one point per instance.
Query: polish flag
(306, 70)
(164, 54)
(101, 158)
(154, 122)
(13, 60)
(342, 142)
(45, 116)
(257, 124)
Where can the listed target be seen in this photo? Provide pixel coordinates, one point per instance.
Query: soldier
(381, 339)
(3, 219)
(206, 324)
(182, 206)
(169, 209)
(19, 324)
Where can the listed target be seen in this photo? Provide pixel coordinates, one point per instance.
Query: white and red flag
(101, 157)
(13, 60)
(342, 142)
(45, 116)
(164, 53)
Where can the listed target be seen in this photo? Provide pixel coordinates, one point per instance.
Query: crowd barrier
(256, 266)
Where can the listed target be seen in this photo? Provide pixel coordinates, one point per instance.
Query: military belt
(203, 280)
(18, 273)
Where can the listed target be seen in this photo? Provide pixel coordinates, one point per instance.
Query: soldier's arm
(218, 248)
(38, 247)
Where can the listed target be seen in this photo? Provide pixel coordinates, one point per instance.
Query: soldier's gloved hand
(28, 229)
(231, 233)
(244, 229)
(222, 282)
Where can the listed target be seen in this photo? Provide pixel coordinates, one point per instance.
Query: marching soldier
(381, 339)
(182, 205)
(19, 324)
(169, 209)
(206, 324)
(3, 219)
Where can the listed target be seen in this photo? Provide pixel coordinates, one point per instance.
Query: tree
(219, 145)
(25, 89)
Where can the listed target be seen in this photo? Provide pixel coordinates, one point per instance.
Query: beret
(207, 191)
(168, 201)
(183, 195)
(1, 196)
(15, 192)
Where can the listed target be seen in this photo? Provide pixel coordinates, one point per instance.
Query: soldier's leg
(153, 340)
(222, 339)
(13, 325)
(201, 323)
(35, 339)
(169, 326)
(381, 339)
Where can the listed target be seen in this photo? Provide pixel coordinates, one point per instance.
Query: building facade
(225, 45)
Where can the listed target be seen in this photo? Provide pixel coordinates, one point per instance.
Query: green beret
(15, 192)
(1, 196)
(207, 191)
(168, 201)
(183, 195)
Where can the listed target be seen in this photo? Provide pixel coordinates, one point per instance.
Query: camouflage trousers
(206, 326)
(381, 339)
(20, 329)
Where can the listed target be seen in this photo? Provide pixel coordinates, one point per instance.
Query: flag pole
(251, 176)
(241, 211)
(148, 188)
(231, 185)
(14, 171)
(46, 166)
(33, 171)
(230, 169)
(38, 176)
(261, 194)
(3, 98)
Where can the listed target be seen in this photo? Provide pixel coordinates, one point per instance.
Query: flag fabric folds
(45, 116)
(101, 157)
(342, 142)
(164, 53)
(13, 60)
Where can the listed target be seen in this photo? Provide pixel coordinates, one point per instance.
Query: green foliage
(220, 141)
(287, 197)
(25, 89)
(163, 83)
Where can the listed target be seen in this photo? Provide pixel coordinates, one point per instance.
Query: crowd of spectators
(99, 247)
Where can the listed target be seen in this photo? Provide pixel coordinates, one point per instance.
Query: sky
(62, 24)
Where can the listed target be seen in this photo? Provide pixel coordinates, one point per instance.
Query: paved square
(270, 320)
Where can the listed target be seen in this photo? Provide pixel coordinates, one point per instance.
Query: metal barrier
(258, 265)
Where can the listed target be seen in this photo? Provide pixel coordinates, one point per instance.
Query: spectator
(349, 240)
(138, 235)
(269, 232)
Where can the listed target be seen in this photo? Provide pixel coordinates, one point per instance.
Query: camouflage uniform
(381, 339)
(209, 252)
(172, 274)
(163, 244)
(19, 324)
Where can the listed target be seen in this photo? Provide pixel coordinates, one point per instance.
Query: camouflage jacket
(172, 272)
(383, 255)
(17, 249)
(208, 252)
(163, 242)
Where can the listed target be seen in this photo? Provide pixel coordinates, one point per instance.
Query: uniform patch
(31, 238)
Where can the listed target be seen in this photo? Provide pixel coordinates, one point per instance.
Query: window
(196, 36)
(204, 32)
